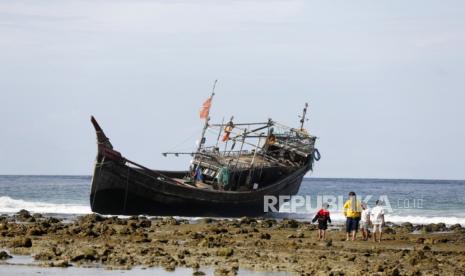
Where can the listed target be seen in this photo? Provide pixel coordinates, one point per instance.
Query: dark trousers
(352, 224)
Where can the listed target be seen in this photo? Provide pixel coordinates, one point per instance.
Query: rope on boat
(126, 191)
(316, 155)
(184, 142)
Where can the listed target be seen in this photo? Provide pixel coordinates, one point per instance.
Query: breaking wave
(425, 220)
(10, 205)
(398, 219)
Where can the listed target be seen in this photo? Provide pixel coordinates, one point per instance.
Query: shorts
(323, 225)
(364, 224)
(352, 224)
(377, 227)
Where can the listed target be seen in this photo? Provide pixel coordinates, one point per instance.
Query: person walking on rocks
(377, 219)
(352, 211)
(323, 219)
(365, 221)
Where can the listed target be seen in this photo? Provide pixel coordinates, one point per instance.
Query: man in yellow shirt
(352, 211)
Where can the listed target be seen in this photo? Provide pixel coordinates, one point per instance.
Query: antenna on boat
(302, 118)
(205, 113)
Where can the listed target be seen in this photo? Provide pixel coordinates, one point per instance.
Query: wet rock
(168, 263)
(242, 231)
(52, 220)
(141, 238)
(60, 263)
(145, 223)
(170, 221)
(426, 229)
(429, 241)
(416, 257)
(268, 223)
(23, 214)
(289, 223)
(394, 272)
(329, 243)
(218, 230)
(438, 227)
(441, 240)
(44, 255)
(169, 266)
(247, 220)
(296, 236)
(416, 272)
(160, 241)
(3, 226)
(367, 254)
(407, 226)
(196, 235)
(456, 227)
(132, 224)
(215, 245)
(21, 242)
(336, 273)
(90, 233)
(420, 240)
(47, 254)
(426, 248)
(433, 227)
(195, 265)
(379, 268)
(86, 253)
(37, 216)
(224, 271)
(36, 231)
(389, 230)
(225, 252)
(124, 231)
(4, 255)
(90, 219)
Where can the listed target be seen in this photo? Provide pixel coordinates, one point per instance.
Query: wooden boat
(275, 166)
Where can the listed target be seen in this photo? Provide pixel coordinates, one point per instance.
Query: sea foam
(10, 205)
(398, 219)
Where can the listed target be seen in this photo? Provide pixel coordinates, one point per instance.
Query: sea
(414, 201)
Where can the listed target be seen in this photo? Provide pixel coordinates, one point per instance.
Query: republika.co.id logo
(311, 204)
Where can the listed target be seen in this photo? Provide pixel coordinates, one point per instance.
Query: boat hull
(119, 189)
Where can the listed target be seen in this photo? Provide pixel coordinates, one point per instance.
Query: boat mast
(255, 151)
(207, 119)
(242, 146)
(303, 119)
(219, 133)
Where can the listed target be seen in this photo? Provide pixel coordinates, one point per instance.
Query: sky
(384, 80)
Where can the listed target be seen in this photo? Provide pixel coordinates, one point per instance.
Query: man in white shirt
(365, 220)
(377, 219)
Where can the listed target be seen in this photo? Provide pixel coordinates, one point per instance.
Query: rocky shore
(230, 245)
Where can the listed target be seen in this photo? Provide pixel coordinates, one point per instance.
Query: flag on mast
(205, 110)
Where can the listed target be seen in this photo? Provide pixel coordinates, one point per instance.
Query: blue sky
(384, 80)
